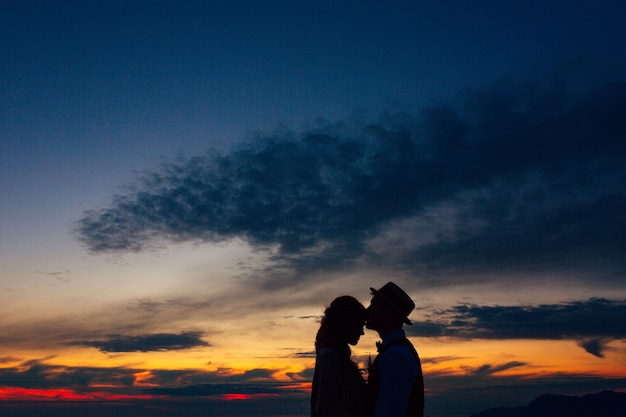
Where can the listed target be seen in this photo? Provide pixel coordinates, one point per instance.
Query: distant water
(79, 409)
(157, 409)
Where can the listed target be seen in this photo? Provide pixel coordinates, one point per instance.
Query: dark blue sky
(90, 85)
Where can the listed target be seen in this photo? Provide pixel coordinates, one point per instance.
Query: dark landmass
(601, 404)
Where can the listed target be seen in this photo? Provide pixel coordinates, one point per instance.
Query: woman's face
(354, 331)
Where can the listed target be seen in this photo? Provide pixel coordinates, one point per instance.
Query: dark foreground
(150, 408)
(602, 404)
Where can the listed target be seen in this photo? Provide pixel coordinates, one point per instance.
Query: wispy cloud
(59, 275)
(150, 305)
(157, 342)
(38, 374)
(517, 175)
(489, 369)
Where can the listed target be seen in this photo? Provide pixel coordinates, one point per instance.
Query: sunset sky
(186, 185)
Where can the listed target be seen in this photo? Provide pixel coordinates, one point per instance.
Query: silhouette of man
(395, 381)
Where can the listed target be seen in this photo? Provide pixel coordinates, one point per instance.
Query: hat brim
(405, 318)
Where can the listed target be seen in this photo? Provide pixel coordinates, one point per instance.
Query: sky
(186, 185)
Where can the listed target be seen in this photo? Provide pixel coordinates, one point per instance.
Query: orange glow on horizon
(63, 394)
(244, 397)
(298, 386)
(496, 360)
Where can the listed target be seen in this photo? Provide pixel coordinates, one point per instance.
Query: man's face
(376, 313)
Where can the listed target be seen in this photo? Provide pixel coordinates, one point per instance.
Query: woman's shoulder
(328, 355)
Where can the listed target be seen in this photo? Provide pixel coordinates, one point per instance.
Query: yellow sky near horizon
(250, 326)
(237, 354)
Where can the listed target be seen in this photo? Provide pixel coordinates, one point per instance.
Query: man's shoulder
(399, 349)
(401, 352)
(401, 341)
(400, 362)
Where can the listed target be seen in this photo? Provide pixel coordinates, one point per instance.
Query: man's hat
(397, 298)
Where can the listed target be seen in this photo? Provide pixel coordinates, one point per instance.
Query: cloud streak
(158, 342)
(488, 369)
(594, 323)
(516, 175)
(40, 374)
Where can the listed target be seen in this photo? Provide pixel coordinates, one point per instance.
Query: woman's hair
(331, 334)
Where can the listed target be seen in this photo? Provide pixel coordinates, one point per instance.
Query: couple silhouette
(395, 385)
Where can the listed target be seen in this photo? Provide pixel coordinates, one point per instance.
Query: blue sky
(184, 177)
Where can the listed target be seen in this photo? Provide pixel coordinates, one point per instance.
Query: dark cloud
(41, 375)
(440, 359)
(218, 389)
(183, 387)
(519, 174)
(595, 346)
(175, 384)
(187, 382)
(157, 342)
(594, 323)
(309, 354)
(489, 369)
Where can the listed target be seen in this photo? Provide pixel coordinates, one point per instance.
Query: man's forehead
(378, 299)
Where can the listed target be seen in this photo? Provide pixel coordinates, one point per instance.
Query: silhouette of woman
(338, 387)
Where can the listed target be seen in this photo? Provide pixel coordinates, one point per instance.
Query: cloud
(309, 354)
(183, 382)
(39, 374)
(594, 322)
(149, 305)
(489, 369)
(59, 275)
(516, 175)
(184, 386)
(595, 346)
(218, 389)
(133, 323)
(157, 342)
